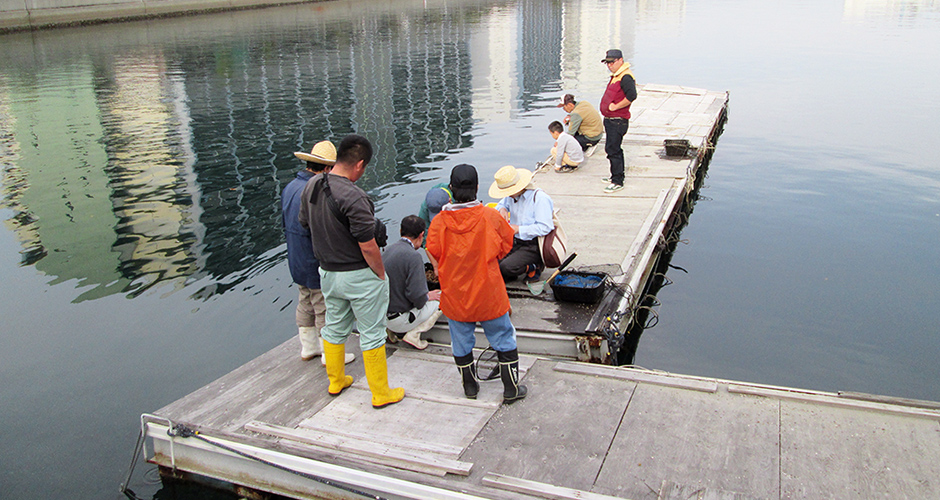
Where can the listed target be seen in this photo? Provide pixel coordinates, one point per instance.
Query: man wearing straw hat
(303, 264)
(529, 212)
(465, 243)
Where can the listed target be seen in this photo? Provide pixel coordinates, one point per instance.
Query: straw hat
(509, 181)
(323, 152)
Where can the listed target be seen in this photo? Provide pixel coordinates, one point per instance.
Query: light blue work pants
(358, 296)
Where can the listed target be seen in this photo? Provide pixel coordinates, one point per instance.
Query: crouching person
(412, 309)
(465, 242)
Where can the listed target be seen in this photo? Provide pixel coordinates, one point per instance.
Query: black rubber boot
(509, 373)
(468, 370)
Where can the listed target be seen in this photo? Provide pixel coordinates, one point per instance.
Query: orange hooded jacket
(467, 244)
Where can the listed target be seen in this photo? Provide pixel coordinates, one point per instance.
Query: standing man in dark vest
(615, 106)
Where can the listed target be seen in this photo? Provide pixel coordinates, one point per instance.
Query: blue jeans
(615, 128)
(499, 331)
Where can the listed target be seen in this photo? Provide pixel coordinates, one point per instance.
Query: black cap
(464, 176)
(612, 55)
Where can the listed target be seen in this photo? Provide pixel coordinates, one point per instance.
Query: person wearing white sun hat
(529, 212)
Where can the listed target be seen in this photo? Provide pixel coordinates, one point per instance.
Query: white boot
(413, 337)
(349, 356)
(309, 342)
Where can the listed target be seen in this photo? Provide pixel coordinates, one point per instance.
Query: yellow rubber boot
(335, 357)
(377, 375)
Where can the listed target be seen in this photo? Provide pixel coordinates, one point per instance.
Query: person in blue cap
(437, 197)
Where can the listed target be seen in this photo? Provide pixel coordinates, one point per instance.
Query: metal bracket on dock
(147, 418)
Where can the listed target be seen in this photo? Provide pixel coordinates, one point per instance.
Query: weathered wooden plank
(833, 400)
(541, 490)
(716, 440)
(559, 434)
(586, 183)
(828, 452)
(673, 89)
(276, 383)
(914, 403)
(411, 419)
(432, 388)
(667, 380)
(396, 441)
(672, 491)
(375, 451)
(355, 460)
(452, 400)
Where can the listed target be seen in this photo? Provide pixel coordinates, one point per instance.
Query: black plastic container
(677, 147)
(576, 286)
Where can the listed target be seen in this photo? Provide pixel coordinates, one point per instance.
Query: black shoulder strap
(328, 194)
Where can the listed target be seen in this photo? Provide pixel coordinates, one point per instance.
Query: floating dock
(586, 430)
(623, 234)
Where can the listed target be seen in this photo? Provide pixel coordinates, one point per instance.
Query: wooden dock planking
(552, 436)
(873, 454)
(660, 112)
(708, 440)
(276, 386)
(584, 431)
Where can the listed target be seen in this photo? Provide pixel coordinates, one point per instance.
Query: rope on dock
(180, 430)
(129, 493)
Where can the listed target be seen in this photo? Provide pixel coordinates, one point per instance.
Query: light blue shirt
(532, 213)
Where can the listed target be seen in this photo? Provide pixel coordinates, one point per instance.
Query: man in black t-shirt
(341, 219)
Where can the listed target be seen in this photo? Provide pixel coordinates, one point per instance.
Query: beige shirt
(591, 124)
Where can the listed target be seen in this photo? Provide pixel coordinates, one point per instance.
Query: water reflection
(166, 165)
(136, 164)
(903, 12)
(162, 163)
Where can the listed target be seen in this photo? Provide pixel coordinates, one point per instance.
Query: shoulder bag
(554, 246)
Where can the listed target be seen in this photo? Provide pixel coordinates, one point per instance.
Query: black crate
(677, 147)
(576, 286)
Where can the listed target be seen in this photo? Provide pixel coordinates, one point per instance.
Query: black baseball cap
(464, 176)
(612, 55)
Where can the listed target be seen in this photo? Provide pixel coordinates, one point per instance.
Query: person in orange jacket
(465, 242)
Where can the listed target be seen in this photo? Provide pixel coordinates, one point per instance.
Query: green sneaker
(612, 188)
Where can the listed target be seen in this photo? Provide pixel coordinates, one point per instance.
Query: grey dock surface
(584, 431)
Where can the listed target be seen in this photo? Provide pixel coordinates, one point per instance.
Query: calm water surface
(141, 254)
